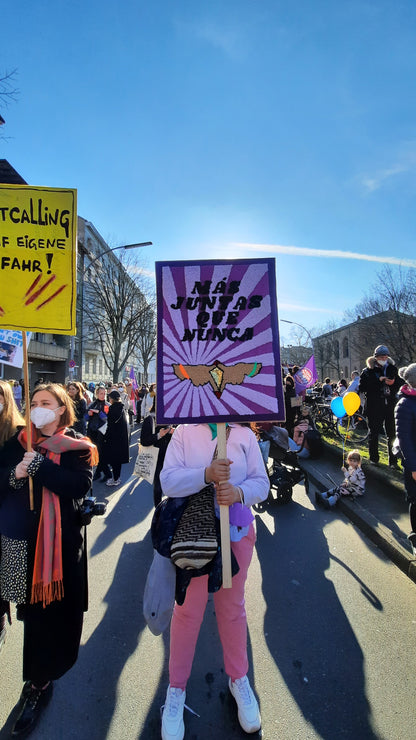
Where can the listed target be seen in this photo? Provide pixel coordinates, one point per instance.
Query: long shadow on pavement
(306, 628)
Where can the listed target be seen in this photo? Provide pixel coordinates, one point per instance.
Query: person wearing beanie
(405, 418)
(379, 382)
(116, 438)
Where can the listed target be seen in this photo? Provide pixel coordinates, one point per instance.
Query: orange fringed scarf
(47, 581)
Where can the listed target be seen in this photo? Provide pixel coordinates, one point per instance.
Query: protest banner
(37, 267)
(38, 258)
(11, 347)
(218, 355)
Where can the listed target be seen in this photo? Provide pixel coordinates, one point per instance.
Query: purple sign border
(163, 416)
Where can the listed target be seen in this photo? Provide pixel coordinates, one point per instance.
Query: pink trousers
(231, 620)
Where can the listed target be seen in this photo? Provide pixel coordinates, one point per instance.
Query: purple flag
(306, 376)
(133, 378)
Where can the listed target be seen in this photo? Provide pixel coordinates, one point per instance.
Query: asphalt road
(332, 626)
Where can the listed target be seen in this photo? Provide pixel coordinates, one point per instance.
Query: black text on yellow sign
(38, 258)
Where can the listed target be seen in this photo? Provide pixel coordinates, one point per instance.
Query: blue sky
(227, 129)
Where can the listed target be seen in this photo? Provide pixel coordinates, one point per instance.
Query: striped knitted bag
(195, 542)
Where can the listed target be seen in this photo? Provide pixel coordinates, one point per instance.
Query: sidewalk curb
(377, 532)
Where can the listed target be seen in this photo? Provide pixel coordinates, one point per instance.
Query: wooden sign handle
(224, 516)
(27, 412)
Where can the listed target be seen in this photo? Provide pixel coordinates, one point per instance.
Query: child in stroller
(281, 464)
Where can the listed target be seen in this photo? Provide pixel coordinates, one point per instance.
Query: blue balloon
(337, 407)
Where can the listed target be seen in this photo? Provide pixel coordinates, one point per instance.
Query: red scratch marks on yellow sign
(51, 297)
(39, 290)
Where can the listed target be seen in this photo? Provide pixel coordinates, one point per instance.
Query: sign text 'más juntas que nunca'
(218, 353)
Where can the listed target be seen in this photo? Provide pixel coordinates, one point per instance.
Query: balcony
(47, 351)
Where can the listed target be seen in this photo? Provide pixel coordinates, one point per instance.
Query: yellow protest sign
(38, 258)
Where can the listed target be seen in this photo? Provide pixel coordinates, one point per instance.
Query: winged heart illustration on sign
(217, 374)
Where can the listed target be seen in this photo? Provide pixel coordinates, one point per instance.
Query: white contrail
(329, 253)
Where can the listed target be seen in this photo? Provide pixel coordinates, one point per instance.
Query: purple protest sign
(218, 355)
(306, 376)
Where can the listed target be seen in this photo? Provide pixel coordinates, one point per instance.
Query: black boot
(35, 701)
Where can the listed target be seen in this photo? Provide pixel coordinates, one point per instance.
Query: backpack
(314, 443)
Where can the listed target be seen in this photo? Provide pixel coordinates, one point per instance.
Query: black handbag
(195, 543)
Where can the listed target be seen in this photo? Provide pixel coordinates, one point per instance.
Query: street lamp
(286, 321)
(84, 271)
(113, 249)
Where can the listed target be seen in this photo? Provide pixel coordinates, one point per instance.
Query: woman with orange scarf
(42, 556)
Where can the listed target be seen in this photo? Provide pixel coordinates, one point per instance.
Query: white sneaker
(110, 482)
(117, 482)
(173, 727)
(248, 709)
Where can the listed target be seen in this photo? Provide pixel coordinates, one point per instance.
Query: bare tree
(146, 346)
(391, 302)
(115, 303)
(8, 92)
(393, 289)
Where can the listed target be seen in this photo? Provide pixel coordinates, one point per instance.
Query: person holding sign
(43, 557)
(240, 481)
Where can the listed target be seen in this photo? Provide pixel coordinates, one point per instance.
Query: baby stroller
(283, 467)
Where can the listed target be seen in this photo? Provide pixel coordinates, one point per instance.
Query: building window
(345, 349)
(336, 349)
(94, 365)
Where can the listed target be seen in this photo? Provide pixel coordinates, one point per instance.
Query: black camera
(90, 508)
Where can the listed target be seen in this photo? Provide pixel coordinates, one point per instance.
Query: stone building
(340, 351)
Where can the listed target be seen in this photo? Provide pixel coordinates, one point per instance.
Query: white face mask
(41, 417)
(1, 407)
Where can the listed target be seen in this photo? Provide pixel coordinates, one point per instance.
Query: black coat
(80, 408)
(52, 634)
(381, 398)
(405, 416)
(95, 421)
(116, 438)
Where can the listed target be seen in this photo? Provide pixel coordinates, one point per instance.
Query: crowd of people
(80, 433)
(388, 400)
(377, 386)
(77, 434)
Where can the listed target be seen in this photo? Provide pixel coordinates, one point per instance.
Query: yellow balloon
(351, 402)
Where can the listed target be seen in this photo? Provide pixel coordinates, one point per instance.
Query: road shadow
(103, 657)
(137, 496)
(307, 631)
